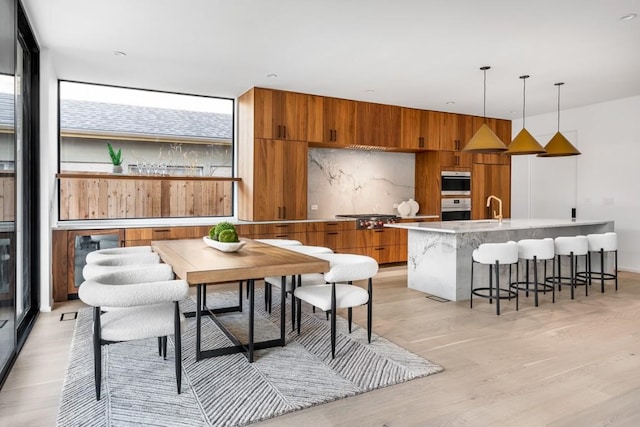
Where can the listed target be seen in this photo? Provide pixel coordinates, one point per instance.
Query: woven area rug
(139, 387)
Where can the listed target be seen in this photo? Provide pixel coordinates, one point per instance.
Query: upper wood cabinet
(454, 131)
(331, 120)
(420, 129)
(279, 180)
(279, 114)
(502, 129)
(378, 125)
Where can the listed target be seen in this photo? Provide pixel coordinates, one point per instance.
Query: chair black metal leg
(333, 320)
(588, 274)
(159, 346)
(490, 284)
(573, 274)
(349, 317)
(559, 274)
(164, 347)
(526, 275)
(293, 300)
(240, 295)
(553, 279)
(298, 313)
(97, 351)
(178, 337)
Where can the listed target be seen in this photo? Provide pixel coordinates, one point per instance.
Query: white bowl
(223, 246)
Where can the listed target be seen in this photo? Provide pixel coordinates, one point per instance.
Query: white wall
(602, 183)
(48, 168)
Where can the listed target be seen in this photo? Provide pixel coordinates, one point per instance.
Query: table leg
(250, 283)
(198, 320)
(283, 291)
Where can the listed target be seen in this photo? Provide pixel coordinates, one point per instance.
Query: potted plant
(116, 158)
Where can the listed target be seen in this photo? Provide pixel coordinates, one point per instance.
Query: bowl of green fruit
(223, 237)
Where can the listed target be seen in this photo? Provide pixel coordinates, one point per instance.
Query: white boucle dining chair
(141, 307)
(103, 254)
(115, 263)
(344, 269)
(291, 282)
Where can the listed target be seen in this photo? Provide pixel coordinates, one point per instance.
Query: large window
(157, 133)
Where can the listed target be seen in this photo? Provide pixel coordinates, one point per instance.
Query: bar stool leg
(615, 256)
(573, 277)
(535, 279)
(471, 293)
(601, 270)
(498, 288)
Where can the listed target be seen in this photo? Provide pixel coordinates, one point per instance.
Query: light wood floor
(573, 363)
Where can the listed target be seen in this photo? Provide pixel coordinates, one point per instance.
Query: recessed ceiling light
(119, 53)
(450, 102)
(628, 17)
(369, 90)
(272, 75)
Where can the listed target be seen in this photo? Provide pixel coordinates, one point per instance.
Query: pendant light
(559, 146)
(524, 142)
(485, 141)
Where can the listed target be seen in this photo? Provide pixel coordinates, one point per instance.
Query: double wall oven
(455, 183)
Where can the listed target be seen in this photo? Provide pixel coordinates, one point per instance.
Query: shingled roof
(6, 109)
(87, 117)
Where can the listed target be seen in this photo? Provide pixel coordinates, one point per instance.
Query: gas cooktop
(369, 221)
(366, 216)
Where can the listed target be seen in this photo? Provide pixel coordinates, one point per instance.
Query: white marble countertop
(484, 225)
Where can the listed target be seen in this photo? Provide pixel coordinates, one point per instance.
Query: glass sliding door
(19, 177)
(8, 338)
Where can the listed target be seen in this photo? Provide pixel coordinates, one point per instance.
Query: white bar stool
(573, 247)
(534, 250)
(342, 268)
(495, 255)
(601, 243)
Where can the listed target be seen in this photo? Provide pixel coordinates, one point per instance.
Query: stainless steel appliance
(371, 221)
(455, 209)
(455, 183)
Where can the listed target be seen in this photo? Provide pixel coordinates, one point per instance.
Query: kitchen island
(439, 253)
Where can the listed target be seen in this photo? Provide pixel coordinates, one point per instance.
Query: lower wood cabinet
(69, 250)
(70, 247)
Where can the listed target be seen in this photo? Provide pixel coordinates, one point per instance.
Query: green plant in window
(116, 158)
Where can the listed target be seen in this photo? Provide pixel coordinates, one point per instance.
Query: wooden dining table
(200, 265)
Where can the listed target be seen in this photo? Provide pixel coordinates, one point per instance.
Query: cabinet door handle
(332, 233)
(162, 230)
(335, 135)
(284, 132)
(280, 236)
(378, 231)
(284, 212)
(378, 249)
(282, 226)
(457, 160)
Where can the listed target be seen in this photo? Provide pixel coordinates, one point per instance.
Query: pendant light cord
(484, 97)
(524, 96)
(558, 108)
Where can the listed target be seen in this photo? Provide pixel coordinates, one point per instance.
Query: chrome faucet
(499, 215)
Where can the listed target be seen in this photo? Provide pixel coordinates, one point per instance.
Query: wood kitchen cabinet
(331, 121)
(278, 114)
(378, 125)
(454, 129)
(420, 129)
(279, 180)
(486, 180)
(339, 236)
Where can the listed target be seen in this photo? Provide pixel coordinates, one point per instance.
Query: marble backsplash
(358, 181)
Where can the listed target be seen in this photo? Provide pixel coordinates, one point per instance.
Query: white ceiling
(411, 53)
